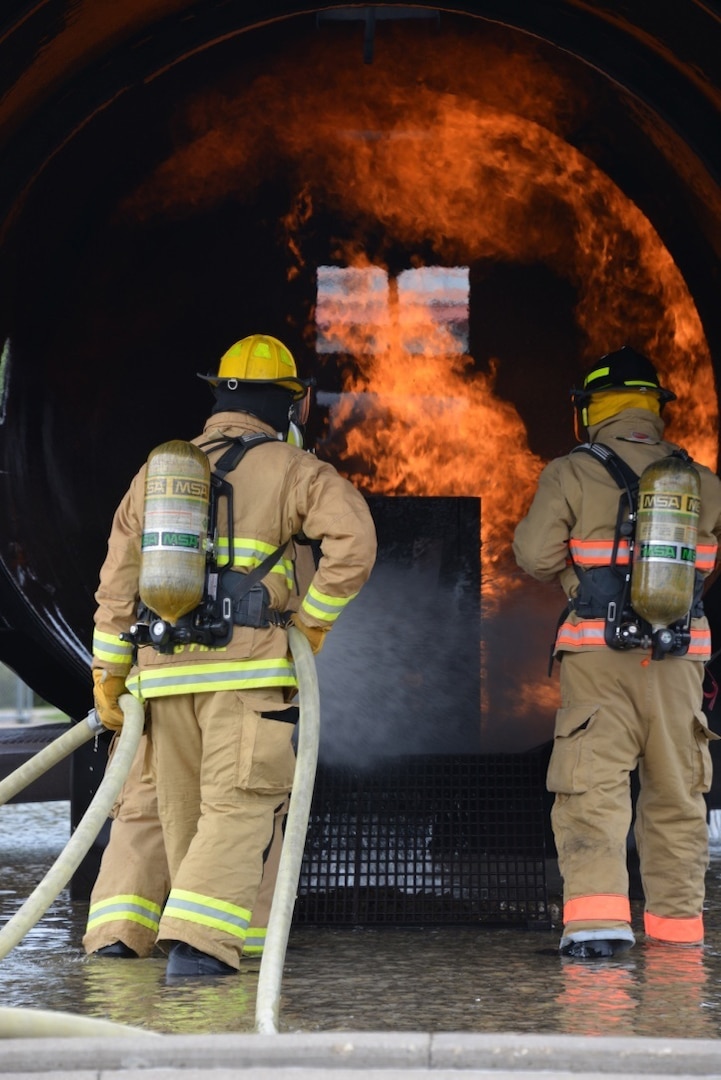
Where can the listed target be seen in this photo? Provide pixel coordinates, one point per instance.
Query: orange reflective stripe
(597, 552)
(587, 553)
(599, 906)
(700, 644)
(588, 632)
(706, 556)
(679, 931)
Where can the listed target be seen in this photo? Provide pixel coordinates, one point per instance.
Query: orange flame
(424, 423)
(451, 150)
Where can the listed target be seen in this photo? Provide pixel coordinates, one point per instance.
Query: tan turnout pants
(621, 710)
(223, 771)
(133, 880)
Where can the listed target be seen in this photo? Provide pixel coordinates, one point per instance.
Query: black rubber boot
(596, 948)
(118, 950)
(184, 961)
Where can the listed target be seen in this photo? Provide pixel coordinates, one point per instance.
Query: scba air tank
(663, 575)
(175, 529)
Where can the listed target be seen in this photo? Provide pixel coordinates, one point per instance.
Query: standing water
(472, 979)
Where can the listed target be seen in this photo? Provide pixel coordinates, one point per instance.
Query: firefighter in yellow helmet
(631, 693)
(133, 880)
(221, 719)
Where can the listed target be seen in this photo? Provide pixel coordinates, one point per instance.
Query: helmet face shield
(300, 410)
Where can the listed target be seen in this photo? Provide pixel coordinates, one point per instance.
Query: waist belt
(603, 593)
(253, 607)
(603, 585)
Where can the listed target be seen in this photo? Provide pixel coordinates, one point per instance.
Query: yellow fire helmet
(260, 358)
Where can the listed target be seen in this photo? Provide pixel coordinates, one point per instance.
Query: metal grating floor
(427, 840)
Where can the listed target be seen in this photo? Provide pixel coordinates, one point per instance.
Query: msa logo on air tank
(168, 541)
(685, 504)
(164, 486)
(672, 552)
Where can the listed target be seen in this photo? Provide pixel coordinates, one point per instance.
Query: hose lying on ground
(87, 830)
(50, 755)
(281, 913)
(34, 1023)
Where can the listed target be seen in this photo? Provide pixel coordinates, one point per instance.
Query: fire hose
(271, 970)
(88, 828)
(40, 763)
(267, 1003)
(41, 1023)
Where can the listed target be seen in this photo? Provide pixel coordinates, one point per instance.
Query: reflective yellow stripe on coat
(321, 606)
(110, 649)
(250, 553)
(207, 911)
(202, 678)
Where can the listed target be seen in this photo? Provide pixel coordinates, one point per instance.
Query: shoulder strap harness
(604, 591)
(230, 598)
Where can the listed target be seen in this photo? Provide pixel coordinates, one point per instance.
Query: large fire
(453, 151)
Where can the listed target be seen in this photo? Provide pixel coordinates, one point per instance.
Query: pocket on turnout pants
(570, 770)
(703, 767)
(266, 760)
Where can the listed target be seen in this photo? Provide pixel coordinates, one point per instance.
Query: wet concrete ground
(463, 979)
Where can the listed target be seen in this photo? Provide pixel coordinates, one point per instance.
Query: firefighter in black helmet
(621, 708)
(622, 371)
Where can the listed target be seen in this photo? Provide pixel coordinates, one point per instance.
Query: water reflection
(137, 994)
(439, 979)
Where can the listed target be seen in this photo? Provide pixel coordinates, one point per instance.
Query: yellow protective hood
(610, 402)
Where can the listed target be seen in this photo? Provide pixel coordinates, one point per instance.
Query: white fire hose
(41, 1023)
(267, 1003)
(88, 828)
(12, 1021)
(56, 751)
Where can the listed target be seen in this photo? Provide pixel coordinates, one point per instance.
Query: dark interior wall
(106, 317)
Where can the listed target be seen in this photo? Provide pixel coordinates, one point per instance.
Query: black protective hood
(269, 403)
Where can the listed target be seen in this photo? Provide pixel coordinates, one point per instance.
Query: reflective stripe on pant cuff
(604, 933)
(678, 931)
(611, 906)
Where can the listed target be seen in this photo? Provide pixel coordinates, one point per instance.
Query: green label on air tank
(667, 553)
(170, 541)
(658, 551)
(189, 541)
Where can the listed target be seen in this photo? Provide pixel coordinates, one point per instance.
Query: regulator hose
(50, 755)
(87, 830)
(281, 913)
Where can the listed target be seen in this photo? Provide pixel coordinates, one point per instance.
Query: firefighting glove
(314, 634)
(107, 689)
